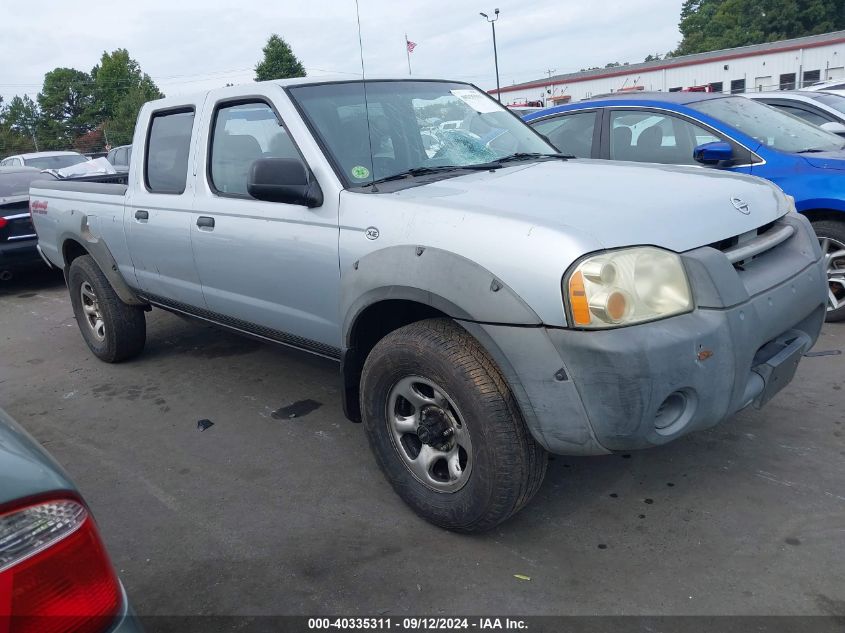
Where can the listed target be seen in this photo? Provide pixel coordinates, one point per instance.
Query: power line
(167, 78)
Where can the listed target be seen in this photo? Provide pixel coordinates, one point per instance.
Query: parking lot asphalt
(272, 514)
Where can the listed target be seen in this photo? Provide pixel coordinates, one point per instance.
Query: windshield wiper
(810, 150)
(493, 164)
(531, 155)
(425, 171)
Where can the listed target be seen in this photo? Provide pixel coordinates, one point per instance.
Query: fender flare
(451, 283)
(99, 251)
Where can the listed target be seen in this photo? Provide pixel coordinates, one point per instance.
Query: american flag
(411, 45)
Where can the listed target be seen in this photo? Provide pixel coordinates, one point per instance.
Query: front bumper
(593, 392)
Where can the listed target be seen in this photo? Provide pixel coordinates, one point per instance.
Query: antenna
(366, 102)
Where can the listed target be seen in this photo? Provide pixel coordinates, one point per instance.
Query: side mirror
(713, 153)
(834, 126)
(283, 180)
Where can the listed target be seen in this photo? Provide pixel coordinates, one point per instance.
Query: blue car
(718, 131)
(55, 572)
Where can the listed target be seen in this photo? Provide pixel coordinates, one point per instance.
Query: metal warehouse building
(782, 65)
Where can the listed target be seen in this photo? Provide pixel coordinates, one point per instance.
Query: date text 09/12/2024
(416, 624)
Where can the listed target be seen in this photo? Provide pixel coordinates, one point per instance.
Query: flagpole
(408, 54)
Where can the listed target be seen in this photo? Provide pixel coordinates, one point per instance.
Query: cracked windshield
(413, 125)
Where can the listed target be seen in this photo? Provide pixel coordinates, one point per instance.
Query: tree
(92, 141)
(121, 126)
(22, 119)
(708, 25)
(66, 102)
(120, 89)
(279, 61)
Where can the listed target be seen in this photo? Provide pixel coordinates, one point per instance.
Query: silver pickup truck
(488, 299)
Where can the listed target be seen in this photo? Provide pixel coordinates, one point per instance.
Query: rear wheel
(113, 330)
(831, 236)
(446, 429)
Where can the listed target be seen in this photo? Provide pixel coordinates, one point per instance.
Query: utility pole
(495, 52)
(552, 92)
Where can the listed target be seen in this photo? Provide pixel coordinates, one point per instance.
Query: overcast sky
(190, 45)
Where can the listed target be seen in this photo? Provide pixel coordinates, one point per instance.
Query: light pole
(495, 52)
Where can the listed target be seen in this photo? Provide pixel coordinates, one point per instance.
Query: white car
(822, 108)
(835, 85)
(44, 160)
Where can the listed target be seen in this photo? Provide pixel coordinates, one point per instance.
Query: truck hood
(615, 203)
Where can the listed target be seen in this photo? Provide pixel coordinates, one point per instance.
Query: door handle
(142, 215)
(205, 222)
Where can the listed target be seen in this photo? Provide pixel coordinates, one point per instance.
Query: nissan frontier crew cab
(488, 299)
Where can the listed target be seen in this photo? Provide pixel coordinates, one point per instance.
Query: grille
(744, 247)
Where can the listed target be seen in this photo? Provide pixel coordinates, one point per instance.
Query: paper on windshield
(476, 100)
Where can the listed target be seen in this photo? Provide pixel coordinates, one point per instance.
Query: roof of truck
(240, 89)
(327, 79)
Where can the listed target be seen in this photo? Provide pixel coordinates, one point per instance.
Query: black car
(17, 236)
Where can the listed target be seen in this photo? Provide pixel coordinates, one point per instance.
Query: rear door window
(168, 147)
(570, 133)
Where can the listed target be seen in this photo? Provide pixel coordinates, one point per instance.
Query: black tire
(834, 231)
(508, 465)
(125, 328)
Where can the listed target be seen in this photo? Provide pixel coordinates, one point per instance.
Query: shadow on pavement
(30, 281)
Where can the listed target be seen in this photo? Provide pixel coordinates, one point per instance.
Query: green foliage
(279, 62)
(78, 109)
(65, 104)
(708, 25)
(120, 89)
(121, 126)
(19, 126)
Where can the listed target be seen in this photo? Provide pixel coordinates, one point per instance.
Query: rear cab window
(168, 149)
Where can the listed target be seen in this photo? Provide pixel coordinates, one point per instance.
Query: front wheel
(831, 236)
(113, 330)
(445, 428)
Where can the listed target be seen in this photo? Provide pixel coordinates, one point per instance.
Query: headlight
(627, 286)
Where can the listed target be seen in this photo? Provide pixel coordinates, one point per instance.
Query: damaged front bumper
(593, 392)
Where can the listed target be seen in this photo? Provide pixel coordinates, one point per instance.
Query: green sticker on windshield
(360, 172)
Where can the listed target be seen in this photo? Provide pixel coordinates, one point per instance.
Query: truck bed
(89, 209)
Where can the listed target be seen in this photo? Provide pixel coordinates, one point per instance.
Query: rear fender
(86, 234)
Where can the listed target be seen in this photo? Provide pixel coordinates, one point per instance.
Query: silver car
(825, 109)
